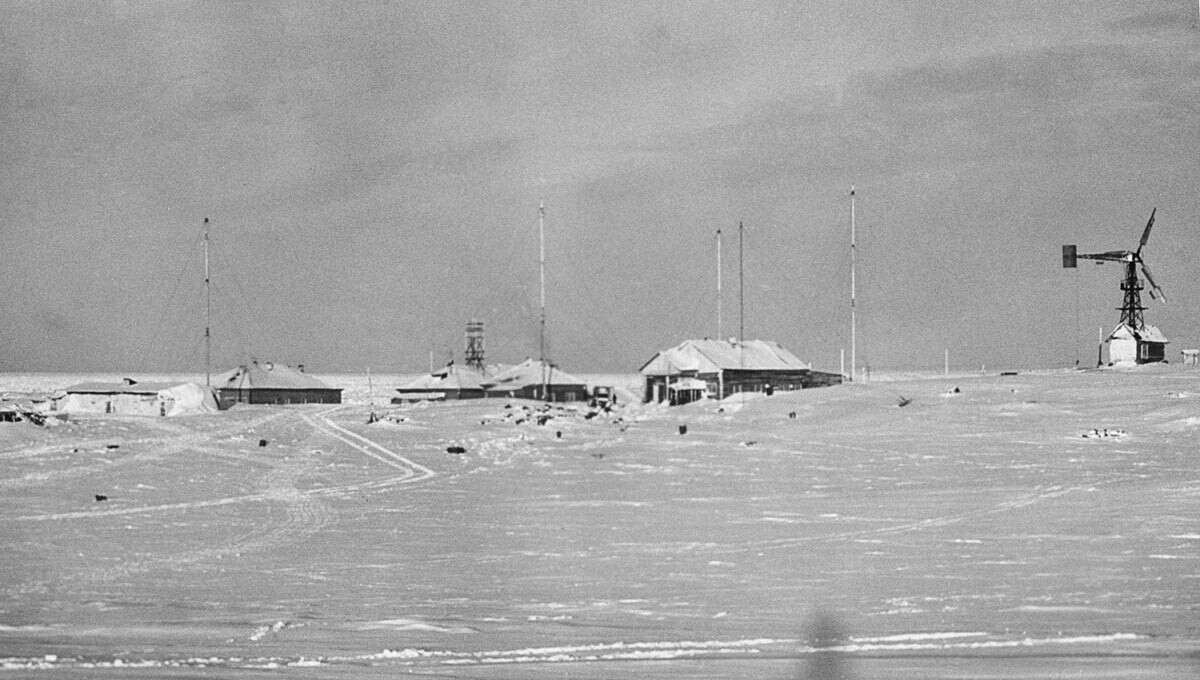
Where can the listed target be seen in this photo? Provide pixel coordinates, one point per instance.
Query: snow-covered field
(1035, 525)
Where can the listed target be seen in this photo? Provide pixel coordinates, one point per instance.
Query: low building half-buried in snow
(445, 384)
(536, 379)
(134, 398)
(272, 383)
(696, 369)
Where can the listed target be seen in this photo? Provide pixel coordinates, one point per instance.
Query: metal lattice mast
(1131, 308)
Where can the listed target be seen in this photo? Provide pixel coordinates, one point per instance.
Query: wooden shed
(1145, 345)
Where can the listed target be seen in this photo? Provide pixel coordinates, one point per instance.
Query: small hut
(536, 379)
(1145, 345)
(272, 383)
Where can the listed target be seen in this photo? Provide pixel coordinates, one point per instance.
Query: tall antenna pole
(853, 310)
(542, 294)
(207, 314)
(719, 335)
(741, 299)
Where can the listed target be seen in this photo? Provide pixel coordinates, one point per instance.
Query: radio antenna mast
(853, 310)
(719, 336)
(207, 313)
(542, 294)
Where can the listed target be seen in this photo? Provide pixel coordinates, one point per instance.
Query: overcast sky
(372, 172)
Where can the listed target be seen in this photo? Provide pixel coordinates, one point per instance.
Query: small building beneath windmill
(537, 379)
(1145, 345)
(697, 369)
(272, 383)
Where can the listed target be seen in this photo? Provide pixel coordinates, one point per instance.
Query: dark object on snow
(542, 420)
(113, 446)
(598, 456)
(826, 637)
(262, 442)
(905, 401)
(101, 497)
(768, 389)
(1008, 372)
(558, 434)
(792, 415)
(683, 429)
(455, 449)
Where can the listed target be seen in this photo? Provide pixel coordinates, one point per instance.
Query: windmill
(1147, 342)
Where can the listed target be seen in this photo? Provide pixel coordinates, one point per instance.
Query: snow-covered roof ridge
(268, 375)
(708, 356)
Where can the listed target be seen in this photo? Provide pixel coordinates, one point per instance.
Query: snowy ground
(976, 533)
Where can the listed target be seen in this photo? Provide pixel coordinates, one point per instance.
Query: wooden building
(535, 379)
(1145, 345)
(445, 384)
(272, 383)
(715, 369)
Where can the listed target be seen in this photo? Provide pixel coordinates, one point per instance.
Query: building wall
(739, 380)
(1122, 351)
(558, 393)
(1151, 352)
(115, 404)
(230, 396)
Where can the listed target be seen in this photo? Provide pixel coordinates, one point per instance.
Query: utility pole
(719, 335)
(741, 301)
(542, 295)
(853, 292)
(207, 314)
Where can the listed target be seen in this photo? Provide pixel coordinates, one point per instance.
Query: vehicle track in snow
(409, 471)
(292, 513)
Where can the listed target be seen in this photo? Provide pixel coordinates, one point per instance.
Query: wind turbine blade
(1150, 279)
(1146, 233)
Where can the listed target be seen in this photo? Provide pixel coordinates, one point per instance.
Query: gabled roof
(268, 376)
(120, 387)
(531, 372)
(1146, 333)
(449, 377)
(710, 356)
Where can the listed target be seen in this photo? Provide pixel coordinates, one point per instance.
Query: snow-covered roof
(268, 375)
(120, 388)
(1146, 333)
(449, 377)
(710, 356)
(531, 372)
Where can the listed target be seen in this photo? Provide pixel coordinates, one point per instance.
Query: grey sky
(372, 172)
